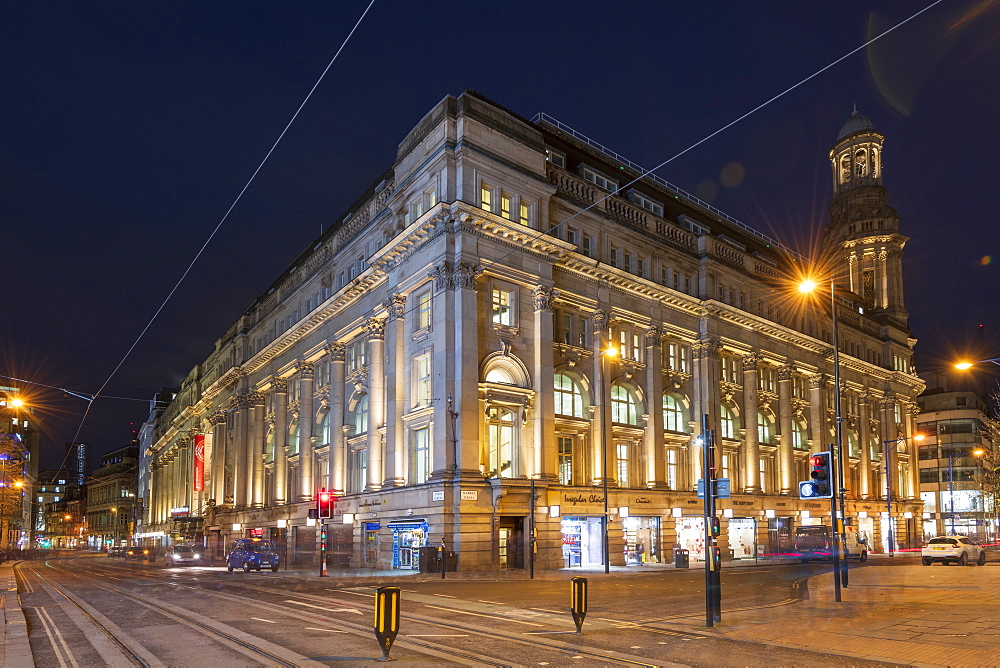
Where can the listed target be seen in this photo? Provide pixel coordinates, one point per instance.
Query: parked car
(952, 550)
(116, 552)
(178, 555)
(252, 554)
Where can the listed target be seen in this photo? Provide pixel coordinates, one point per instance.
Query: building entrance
(511, 538)
(743, 537)
(642, 540)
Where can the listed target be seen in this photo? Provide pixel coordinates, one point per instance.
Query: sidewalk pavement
(910, 614)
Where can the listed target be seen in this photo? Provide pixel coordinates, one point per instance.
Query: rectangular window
(582, 333)
(588, 246)
(423, 385)
(671, 468)
(568, 329)
(599, 180)
(648, 204)
(502, 307)
(763, 476)
(627, 262)
(725, 466)
(525, 213)
(505, 205)
(424, 310)
(565, 460)
(571, 235)
(486, 198)
(640, 267)
(421, 455)
(555, 157)
(432, 198)
(621, 457)
(677, 356)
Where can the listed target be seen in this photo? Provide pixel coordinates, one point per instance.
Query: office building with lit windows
(438, 358)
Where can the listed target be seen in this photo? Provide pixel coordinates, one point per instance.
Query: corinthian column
(280, 388)
(395, 471)
(544, 464)
(705, 354)
(653, 437)
(864, 436)
(751, 444)
(337, 480)
(785, 465)
(602, 456)
(307, 419)
(257, 436)
(237, 475)
(817, 413)
(376, 402)
(218, 463)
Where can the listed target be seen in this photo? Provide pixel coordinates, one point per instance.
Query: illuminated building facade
(437, 356)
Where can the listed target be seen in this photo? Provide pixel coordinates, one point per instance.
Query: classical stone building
(438, 359)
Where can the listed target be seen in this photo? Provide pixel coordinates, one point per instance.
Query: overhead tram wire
(648, 172)
(190, 266)
(76, 393)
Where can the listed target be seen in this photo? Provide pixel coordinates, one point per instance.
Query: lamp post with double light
(887, 447)
(839, 566)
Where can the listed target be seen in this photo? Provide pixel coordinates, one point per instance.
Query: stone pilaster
(307, 421)
(820, 437)
(786, 465)
(338, 456)
(751, 444)
(655, 474)
(545, 456)
(395, 379)
(376, 403)
(280, 389)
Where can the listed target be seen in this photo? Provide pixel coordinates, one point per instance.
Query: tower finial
(855, 109)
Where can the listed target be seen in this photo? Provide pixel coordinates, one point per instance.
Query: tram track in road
(131, 650)
(426, 635)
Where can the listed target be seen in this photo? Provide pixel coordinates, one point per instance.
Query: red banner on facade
(199, 463)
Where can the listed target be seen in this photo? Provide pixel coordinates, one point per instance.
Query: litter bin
(682, 558)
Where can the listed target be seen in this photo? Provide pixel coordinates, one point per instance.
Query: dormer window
(641, 200)
(598, 179)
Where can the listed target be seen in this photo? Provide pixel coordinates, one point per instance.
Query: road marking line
(476, 614)
(313, 628)
(445, 596)
(555, 612)
(319, 607)
(437, 635)
(547, 633)
(352, 592)
(260, 619)
(491, 602)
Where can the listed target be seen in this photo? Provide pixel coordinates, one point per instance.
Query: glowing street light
(963, 366)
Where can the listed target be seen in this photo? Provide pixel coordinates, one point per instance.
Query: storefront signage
(742, 503)
(643, 499)
(199, 463)
(470, 495)
(582, 499)
(182, 511)
(372, 526)
(255, 533)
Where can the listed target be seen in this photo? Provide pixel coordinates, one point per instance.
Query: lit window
(799, 435)
(623, 406)
(424, 310)
(674, 417)
(423, 393)
(671, 468)
(498, 375)
(565, 460)
(728, 422)
(621, 461)
(421, 455)
(525, 213)
(568, 396)
(502, 304)
(361, 416)
(501, 443)
(505, 205)
(765, 428)
(486, 199)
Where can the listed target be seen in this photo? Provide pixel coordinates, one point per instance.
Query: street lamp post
(886, 449)
(951, 488)
(839, 491)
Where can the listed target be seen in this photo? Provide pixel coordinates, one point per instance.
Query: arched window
(800, 435)
(845, 168)
(765, 428)
(269, 447)
(568, 396)
(501, 443)
(624, 406)
(324, 428)
(293, 438)
(861, 162)
(674, 414)
(853, 450)
(498, 375)
(361, 416)
(728, 422)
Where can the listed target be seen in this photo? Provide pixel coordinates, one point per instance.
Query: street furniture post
(578, 602)
(386, 618)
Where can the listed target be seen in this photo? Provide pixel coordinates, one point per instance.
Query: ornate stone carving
(255, 399)
(571, 355)
(752, 361)
(336, 350)
(506, 333)
(729, 390)
(653, 335)
(785, 371)
(465, 275)
(306, 370)
(376, 328)
(395, 305)
(706, 348)
(543, 298)
(600, 320)
(817, 381)
(280, 385)
(766, 399)
(448, 277)
(217, 418)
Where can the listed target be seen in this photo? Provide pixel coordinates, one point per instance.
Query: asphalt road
(97, 611)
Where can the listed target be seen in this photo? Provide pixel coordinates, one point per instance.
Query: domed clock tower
(863, 235)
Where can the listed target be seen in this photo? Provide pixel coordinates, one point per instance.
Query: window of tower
(845, 168)
(861, 163)
(874, 163)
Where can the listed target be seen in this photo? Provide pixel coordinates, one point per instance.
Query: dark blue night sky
(132, 126)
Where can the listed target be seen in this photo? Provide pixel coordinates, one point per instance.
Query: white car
(181, 554)
(952, 549)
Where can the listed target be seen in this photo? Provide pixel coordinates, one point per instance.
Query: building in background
(18, 469)
(151, 538)
(951, 455)
(438, 358)
(111, 499)
(51, 489)
(75, 467)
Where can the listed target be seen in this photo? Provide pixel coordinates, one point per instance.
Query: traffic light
(820, 486)
(324, 504)
(716, 526)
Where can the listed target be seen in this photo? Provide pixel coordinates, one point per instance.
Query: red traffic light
(324, 503)
(324, 497)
